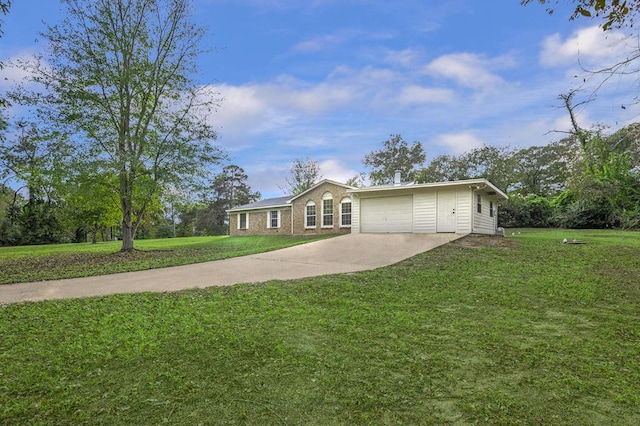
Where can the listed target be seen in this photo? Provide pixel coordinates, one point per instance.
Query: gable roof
(284, 201)
(476, 183)
(323, 181)
(263, 204)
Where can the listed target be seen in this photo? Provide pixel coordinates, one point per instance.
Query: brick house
(325, 208)
(464, 206)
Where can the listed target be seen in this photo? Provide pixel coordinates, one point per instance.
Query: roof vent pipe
(397, 178)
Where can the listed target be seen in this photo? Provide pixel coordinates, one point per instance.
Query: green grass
(522, 330)
(49, 262)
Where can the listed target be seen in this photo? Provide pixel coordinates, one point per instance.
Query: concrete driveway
(346, 253)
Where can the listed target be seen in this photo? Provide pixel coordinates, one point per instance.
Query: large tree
(229, 189)
(490, 162)
(32, 161)
(304, 174)
(396, 154)
(119, 74)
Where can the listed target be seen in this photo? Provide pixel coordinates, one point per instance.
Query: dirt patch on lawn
(480, 241)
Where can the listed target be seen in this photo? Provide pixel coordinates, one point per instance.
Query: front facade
(463, 207)
(466, 206)
(325, 208)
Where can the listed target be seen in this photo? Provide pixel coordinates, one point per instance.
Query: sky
(330, 80)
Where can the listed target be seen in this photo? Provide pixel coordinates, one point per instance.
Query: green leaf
(584, 12)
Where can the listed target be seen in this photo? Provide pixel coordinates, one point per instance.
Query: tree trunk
(127, 233)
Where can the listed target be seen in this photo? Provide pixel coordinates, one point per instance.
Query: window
(479, 203)
(345, 212)
(491, 208)
(243, 221)
(310, 215)
(327, 210)
(273, 219)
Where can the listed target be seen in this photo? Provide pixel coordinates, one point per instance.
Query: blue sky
(332, 79)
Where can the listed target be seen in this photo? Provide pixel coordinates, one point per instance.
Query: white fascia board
(265, 208)
(467, 182)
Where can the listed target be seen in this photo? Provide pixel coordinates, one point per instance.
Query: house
(464, 206)
(323, 208)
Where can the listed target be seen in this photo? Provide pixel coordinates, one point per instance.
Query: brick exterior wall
(315, 195)
(258, 223)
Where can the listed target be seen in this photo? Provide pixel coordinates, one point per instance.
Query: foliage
(493, 163)
(396, 154)
(531, 211)
(304, 174)
(543, 170)
(4, 9)
(37, 160)
(119, 76)
(519, 330)
(615, 13)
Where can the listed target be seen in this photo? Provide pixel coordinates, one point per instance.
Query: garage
(387, 214)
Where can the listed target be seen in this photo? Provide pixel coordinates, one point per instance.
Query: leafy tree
(34, 160)
(492, 163)
(119, 76)
(357, 180)
(544, 170)
(396, 154)
(614, 13)
(304, 174)
(91, 203)
(229, 189)
(4, 9)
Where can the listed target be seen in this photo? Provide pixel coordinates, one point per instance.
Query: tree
(544, 170)
(304, 174)
(119, 75)
(492, 163)
(33, 161)
(4, 9)
(229, 189)
(395, 155)
(615, 13)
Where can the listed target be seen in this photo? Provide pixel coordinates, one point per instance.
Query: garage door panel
(387, 214)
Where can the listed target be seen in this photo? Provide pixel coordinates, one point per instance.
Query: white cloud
(418, 95)
(590, 46)
(407, 58)
(458, 143)
(318, 43)
(336, 170)
(470, 70)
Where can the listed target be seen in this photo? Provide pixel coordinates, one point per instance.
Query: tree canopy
(119, 77)
(396, 154)
(613, 13)
(303, 175)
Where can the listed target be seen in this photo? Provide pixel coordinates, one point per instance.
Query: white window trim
(269, 219)
(247, 215)
(346, 200)
(327, 197)
(306, 216)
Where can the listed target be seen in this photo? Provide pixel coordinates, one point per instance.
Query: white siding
(482, 222)
(355, 214)
(424, 212)
(463, 211)
(386, 214)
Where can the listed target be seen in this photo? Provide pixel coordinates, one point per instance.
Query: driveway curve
(346, 253)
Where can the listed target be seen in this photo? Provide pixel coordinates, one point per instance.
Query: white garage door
(386, 214)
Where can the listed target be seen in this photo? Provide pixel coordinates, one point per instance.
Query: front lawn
(522, 330)
(55, 261)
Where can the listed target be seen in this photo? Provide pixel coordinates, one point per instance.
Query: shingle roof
(267, 202)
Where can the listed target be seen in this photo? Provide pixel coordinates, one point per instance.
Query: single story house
(463, 206)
